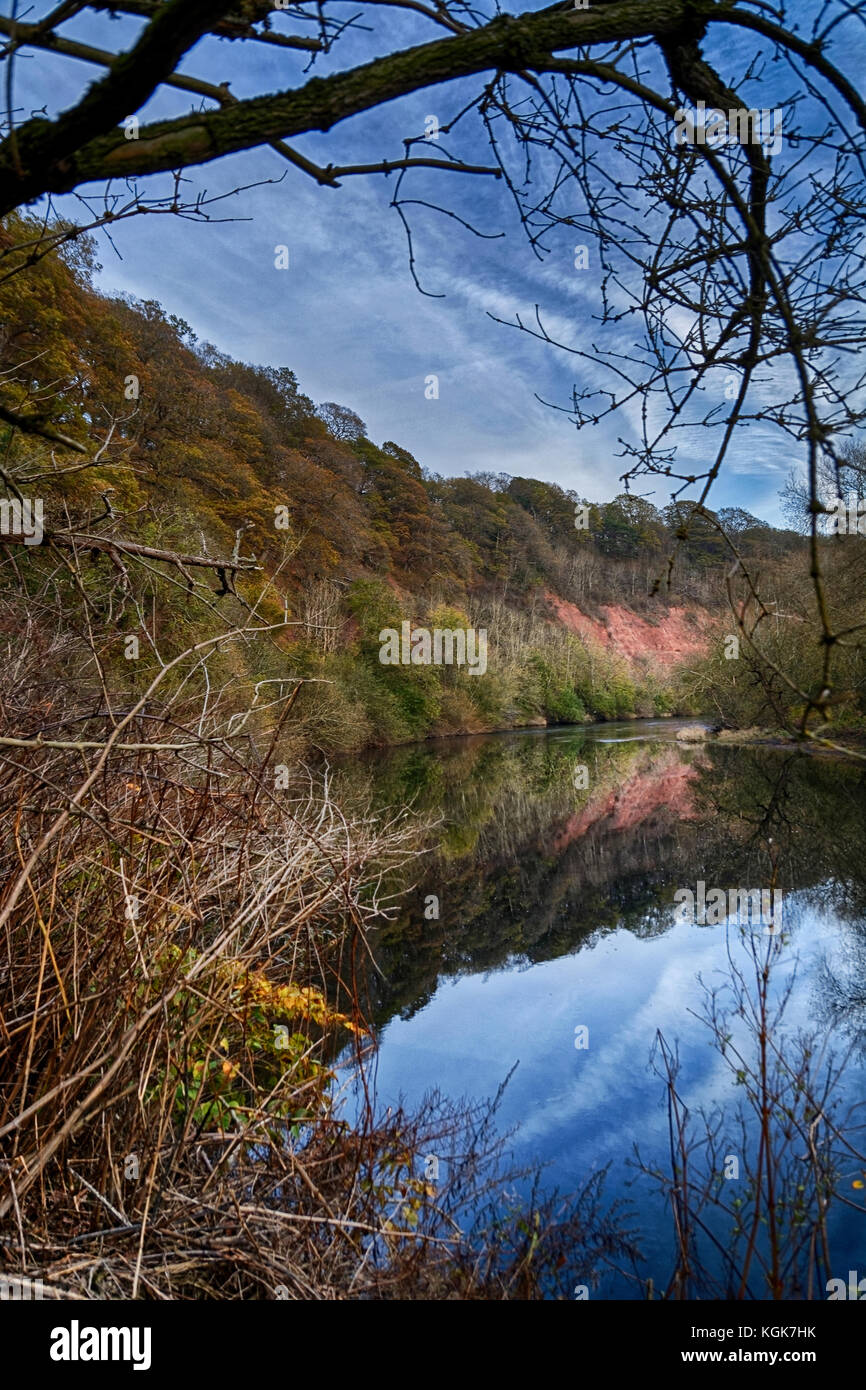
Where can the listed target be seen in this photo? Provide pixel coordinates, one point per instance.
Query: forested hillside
(152, 437)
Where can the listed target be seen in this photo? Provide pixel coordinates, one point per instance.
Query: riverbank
(854, 744)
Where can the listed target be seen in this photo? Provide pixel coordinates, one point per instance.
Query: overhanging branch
(506, 44)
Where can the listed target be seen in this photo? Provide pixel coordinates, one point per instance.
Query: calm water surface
(556, 912)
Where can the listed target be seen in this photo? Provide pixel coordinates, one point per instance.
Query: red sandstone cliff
(677, 633)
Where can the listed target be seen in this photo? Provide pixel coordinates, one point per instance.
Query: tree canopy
(705, 155)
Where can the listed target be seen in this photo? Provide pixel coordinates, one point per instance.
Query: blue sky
(346, 316)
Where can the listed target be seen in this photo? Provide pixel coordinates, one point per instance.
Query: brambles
(184, 937)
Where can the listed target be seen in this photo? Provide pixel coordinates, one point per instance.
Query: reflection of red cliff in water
(664, 784)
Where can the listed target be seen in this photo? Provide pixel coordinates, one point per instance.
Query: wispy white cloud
(347, 317)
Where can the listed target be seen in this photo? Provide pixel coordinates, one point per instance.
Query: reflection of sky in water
(579, 1110)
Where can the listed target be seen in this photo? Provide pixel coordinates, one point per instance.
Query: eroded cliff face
(664, 641)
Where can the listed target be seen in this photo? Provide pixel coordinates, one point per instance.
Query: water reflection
(544, 905)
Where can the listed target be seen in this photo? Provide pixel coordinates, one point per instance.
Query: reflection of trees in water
(801, 816)
(804, 819)
(525, 867)
(842, 993)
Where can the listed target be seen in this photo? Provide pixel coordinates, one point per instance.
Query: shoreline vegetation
(185, 911)
(210, 488)
(854, 740)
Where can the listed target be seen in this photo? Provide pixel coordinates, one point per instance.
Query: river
(540, 941)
